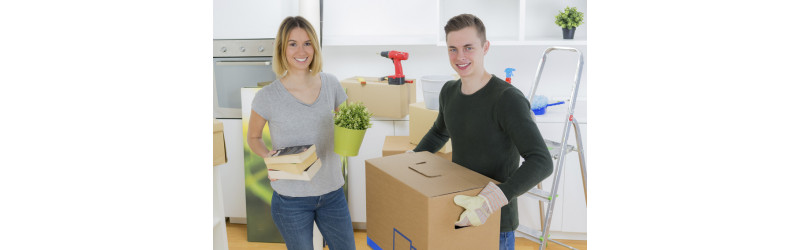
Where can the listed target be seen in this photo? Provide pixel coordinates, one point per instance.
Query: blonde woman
(298, 108)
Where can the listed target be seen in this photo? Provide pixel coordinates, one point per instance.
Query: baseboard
(360, 225)
(568, 236)
(237, 220)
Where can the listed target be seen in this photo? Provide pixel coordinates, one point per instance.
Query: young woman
(298, 108)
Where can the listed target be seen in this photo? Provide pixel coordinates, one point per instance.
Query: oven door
(232, 74)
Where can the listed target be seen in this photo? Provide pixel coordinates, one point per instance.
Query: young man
(490, 125)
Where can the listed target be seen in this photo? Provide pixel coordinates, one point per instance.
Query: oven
(239, 63)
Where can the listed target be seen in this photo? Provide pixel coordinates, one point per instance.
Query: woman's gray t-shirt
(292, 122)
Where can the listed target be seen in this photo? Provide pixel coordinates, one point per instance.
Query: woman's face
(299, 50)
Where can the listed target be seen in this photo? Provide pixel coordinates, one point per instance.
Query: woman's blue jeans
(294, 217)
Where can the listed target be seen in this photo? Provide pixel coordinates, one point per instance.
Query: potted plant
(351, 122)
(569, 20)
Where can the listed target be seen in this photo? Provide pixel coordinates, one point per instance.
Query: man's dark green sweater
(489, 130)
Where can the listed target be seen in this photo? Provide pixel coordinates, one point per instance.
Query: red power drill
(396, 57)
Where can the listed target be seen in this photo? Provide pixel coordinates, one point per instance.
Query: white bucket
(432, 85)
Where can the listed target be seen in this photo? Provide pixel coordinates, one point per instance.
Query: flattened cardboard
(420, 121)
(400, 144)
(381, 98)
(219, 144)
(408, 209)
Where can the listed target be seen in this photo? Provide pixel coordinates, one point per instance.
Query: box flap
(428, 174)
(218, 126)
(426, 169)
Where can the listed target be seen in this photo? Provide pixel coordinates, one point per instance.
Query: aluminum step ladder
(558, 151)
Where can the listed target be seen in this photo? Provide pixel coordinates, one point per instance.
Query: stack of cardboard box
(420, 121)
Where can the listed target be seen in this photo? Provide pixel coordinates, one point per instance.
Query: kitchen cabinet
(232, 173)
(220, 233)
(421, 22)
(369, 22)
(248, 19)
(371, 148)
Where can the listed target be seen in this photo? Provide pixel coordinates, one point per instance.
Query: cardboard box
(400, 144)
(380, 98)
(410, 204)
(219, 144)
(420, 121)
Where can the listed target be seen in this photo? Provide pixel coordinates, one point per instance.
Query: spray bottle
(509, 74)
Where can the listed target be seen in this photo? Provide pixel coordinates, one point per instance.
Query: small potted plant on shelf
(569, 20)
(351, 122)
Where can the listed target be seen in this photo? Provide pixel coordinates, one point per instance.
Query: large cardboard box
(420, 121)
(219, 144)
(381, 98)
(400, 144)
(410, 204)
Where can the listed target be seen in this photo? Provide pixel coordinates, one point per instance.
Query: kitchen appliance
(239, 63)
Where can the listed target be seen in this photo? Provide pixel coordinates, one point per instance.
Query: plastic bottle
(509, 74)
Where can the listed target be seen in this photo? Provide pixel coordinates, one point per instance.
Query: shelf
(378, 40)
(538, 42)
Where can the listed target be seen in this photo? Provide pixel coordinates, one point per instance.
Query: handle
(243, 63)
(556, 103)
(425, 170)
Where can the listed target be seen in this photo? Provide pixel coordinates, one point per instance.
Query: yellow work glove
(479, 208)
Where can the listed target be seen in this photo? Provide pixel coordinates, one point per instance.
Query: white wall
(348, 61)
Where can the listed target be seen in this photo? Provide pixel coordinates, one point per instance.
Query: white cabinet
(220, 233)
(417, 22)
(232, 173)
(243, 19)
(516, 22)
(370, 22)
(371, 148)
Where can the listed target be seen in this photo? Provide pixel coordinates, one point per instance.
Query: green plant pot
(347, 141)
(568, 33)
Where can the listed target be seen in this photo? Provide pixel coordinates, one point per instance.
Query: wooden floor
(237, 240)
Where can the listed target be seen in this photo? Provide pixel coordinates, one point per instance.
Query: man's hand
(479, 208)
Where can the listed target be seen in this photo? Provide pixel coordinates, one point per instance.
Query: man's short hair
(466, 20)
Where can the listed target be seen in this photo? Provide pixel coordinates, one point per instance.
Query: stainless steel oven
(239, 63)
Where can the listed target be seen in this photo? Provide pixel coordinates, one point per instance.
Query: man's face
(466, 52)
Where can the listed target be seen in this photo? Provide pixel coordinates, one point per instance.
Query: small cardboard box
(420, 121)
(219, 144)
(381, 98)
(410, 204)
(400, 144)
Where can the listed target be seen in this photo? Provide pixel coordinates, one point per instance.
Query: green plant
(353, 116)
(570, 18)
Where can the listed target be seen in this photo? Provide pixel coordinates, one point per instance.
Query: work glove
(479, 208)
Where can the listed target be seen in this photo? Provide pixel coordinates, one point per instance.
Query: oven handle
(243, 63)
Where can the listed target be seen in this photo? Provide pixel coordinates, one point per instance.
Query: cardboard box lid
(428, 174)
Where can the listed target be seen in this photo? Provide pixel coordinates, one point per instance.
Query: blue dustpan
(539, 105)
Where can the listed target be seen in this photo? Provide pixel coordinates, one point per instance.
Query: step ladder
(558, 151)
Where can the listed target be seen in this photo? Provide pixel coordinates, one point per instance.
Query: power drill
(397, 57)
